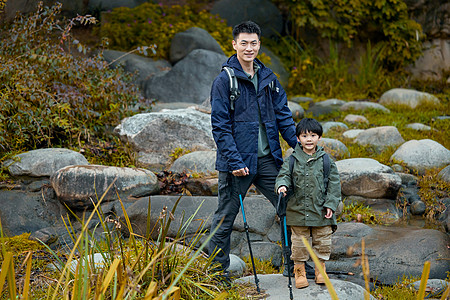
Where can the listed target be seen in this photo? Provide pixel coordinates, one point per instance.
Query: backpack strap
(291, 168)
(291, 163)
(326, 170)
(234, 88)
(273, 87)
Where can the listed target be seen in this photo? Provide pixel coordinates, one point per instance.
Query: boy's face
(309, 141)
(246, 46)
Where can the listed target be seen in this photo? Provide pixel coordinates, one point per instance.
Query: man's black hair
(246, 27)
(308, 124)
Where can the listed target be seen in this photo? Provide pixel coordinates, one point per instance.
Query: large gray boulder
(432, 16)
(418, 127)
(193, 38)
(421, 155)
(43, 162)
(262, 12)
(434, 286)
(297, 110)
(155, 135)
(325, 107)
(202, 186)
(327, 126)
(189, 80)
(144, 67)
(393, 252)
(380, 137)
(434, 61)
(275, 286)
(363, 106)
(27, 209)
(82, 186)
(410, 98)
(355, 119)
(435, 58)
(260, 215)
(202, 162)
(352, 133)
(335, 148)
(368, 178)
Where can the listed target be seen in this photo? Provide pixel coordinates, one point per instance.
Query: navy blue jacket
(236, 132)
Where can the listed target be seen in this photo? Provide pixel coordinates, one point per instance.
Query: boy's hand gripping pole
(248, 235)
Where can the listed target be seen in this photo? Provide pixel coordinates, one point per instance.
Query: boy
(310, 209)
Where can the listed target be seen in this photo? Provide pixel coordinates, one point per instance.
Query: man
(247, 137)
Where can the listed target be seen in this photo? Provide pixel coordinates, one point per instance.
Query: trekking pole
(284, 238)
(248, 237)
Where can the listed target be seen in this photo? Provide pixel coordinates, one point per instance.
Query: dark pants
(228, 207)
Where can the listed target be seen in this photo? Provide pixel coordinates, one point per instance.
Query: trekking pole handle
(285, 233)
(242, 208)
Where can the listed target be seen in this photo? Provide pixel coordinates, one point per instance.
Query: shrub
(391, 39)
(386, 22)
(334, 76)
(50, 97)
(149, 24)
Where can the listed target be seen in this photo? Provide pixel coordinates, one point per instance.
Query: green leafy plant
(261, 266)
(335, 76)
(51, 97)
(384, 21)
(149, 23)
(370, 71)
(342, 67)
(360, 213)
(178, 152)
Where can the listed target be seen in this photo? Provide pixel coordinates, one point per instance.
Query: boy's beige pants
(321, 242)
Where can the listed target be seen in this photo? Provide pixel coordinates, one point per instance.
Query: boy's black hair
(246, 27)
(308, 124)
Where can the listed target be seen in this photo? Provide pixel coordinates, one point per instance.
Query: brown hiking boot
(300, 276)
(319, 278)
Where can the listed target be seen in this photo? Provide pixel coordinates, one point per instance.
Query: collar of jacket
(264, 73)
(300, 155)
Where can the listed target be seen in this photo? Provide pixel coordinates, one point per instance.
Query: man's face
(246, 46)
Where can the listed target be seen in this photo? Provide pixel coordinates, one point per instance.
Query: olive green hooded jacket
(306, 206)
